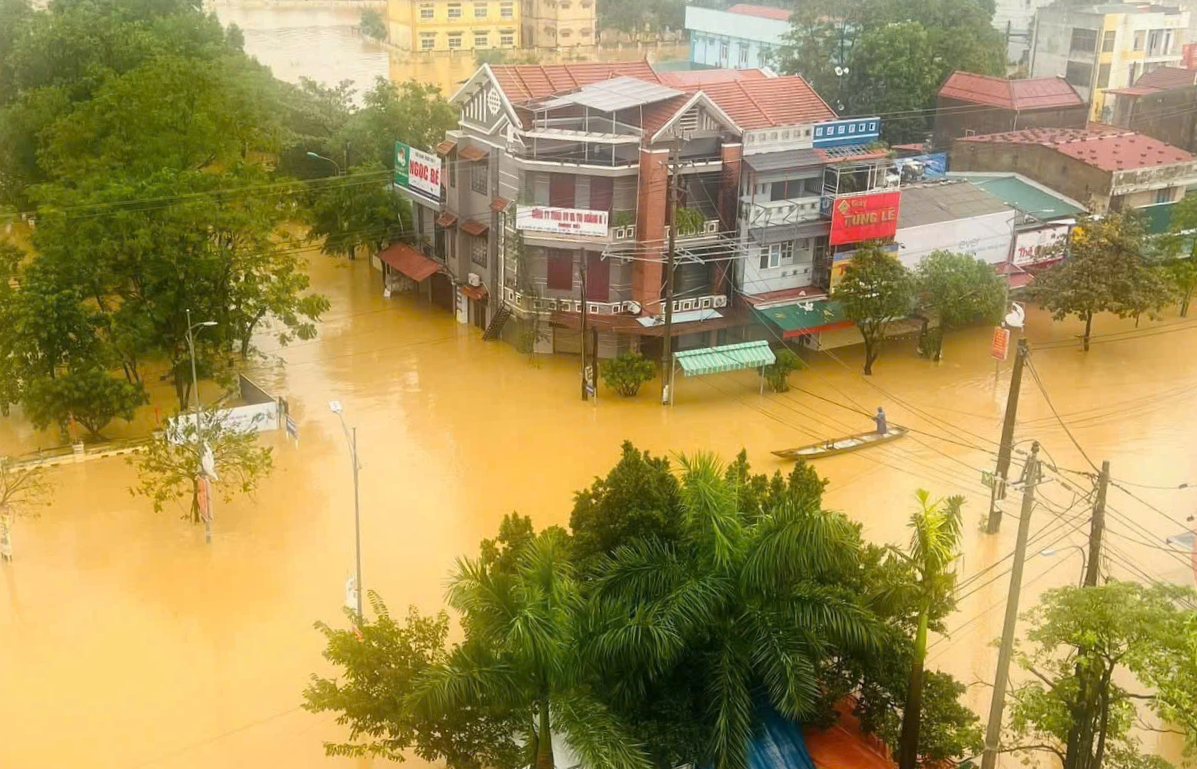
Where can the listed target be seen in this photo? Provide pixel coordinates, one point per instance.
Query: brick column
(652, 198)
(729, 206)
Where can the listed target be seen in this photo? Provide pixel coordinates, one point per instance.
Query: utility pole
(1006, 448)
(585, 382)
(993, 732)
(347, 157)
(671, 220)
(1097, 526)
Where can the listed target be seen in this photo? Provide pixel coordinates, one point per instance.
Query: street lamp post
(1049, 552)
(336, 165)
(191, 327)
(351, 439)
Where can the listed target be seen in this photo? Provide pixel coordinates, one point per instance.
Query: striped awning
(728, 357)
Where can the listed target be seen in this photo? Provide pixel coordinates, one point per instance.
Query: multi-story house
(559, 23)
(743, 36)
(1162, 104)
(1099, 47)
(453, 25)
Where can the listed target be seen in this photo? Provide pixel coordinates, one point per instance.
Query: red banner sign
(864, 217)
(1000, 347)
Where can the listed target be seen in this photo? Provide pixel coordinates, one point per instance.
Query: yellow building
(559, 23)
(453, 25)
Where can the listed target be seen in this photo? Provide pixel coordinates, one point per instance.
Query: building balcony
(525, 304)
(781, 212)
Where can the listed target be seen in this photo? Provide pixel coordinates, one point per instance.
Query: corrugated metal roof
(1018, 192)
(728, 357)
(622, 92)
(780, 161)
(806, 317)
(763, 11)
(1031, 94)
(1166, 78)
(1109, 149)
(945, 201)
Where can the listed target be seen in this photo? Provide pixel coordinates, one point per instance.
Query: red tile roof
(1037, 93)
(1166, 78)
(763, 11)
(773, 101)
(683, 78)
(1100, 147)
(529, 82)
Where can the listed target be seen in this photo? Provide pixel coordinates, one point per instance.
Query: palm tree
(521, 654)
(759, 601)
(934, 544)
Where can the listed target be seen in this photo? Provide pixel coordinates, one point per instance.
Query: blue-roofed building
(742, 37)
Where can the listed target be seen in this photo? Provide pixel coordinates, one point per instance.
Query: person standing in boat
(879, 419)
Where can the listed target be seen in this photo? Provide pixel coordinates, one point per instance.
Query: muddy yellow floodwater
(126, 642)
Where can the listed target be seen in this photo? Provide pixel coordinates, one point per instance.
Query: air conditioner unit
(474, 279)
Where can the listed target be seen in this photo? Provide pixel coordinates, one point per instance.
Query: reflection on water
(321, 44)
(126, 642)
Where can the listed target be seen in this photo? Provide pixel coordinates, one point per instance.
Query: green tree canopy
(1105, 271)
(1180, 252)
(875, 291)
(956, 290)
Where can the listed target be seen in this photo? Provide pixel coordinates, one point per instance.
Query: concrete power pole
(671, 219)
(993, 732)
(585, 377)
(1097, 525)
(1007, 445)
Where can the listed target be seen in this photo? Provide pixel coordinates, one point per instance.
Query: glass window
(771, 256)
(1107, 41)
(787, 252)
(1140, 37)
(507, 10)
(478, 177)
(454, 10)
(1083, 41)
(479, 10)
(743, 54)
(427, 41)
(1163, 196)
(455, 40)
(1078, 74)
(427, 11)
(723, 52)
(481, 40)
(478, 251)
(506, 38)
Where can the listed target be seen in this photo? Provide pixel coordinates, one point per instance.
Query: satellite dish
(1017, 316)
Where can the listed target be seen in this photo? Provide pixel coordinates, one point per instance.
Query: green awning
(805, 317)
(728, 357)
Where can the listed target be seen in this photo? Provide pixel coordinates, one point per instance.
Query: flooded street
(125, 642)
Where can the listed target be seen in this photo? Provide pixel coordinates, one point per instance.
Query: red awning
(474, 228)
(409, 261)
(445, 147)
(499, 205)
(472, 153)
(447, 219)
(477, 293)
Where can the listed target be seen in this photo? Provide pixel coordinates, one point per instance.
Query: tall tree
(875, 291)
(410, 111)
(1122, 635)
(956, 290)
(1105, 272)
(1180, 250)
(23, 489)
(358, 211)
(756, 605)
(522, 653)
(934, 545)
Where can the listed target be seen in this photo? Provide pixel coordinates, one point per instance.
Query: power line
(1050, 405)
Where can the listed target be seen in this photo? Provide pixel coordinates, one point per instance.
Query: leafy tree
(410, 111)
(626, 373)
(639, 499)
(387, 656)
(758, 494)
(521, 653)
(777, 374)
(957, 290)
(875, 291)
(170, 465)
(22, 491)
(1181, 246)
(362, 211)
(1182, 273)
(1105, 272)
(756, 605)
(934, 545)
(373, 24)
(88, 396)
(1087, 644)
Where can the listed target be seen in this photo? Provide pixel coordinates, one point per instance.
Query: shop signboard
(417, 171)
(999, 347)
(864, 217)
(562, 221)
(1037, 245)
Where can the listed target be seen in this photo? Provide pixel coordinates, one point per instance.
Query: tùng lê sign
(562, 221)
(864, 217)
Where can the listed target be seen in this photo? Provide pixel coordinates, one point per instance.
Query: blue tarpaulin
(779, 745)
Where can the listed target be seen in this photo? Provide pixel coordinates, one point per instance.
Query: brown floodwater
(126, 642)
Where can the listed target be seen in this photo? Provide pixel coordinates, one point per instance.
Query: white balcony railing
(781, 212)
(524, 303)
(710, 228)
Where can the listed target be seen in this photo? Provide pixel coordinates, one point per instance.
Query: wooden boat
(830, 448)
